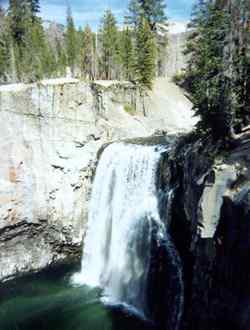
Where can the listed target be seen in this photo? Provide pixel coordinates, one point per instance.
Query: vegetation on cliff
(30, 52)
(218, 71)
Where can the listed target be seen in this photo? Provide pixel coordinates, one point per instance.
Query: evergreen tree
(108, 36)
(71, 42)
(208, 84)
(127, 54)
(34, 6)
(36, 58)
(88, 53)
(218, 73)
(152, 10)
(134, 13)
(61, 58)
(19, 13)
(4, 47)
(241, 65)
(145, 55)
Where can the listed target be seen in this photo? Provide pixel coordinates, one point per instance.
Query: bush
(179, 78)
(129, 109)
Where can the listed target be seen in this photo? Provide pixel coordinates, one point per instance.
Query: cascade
(125, 227)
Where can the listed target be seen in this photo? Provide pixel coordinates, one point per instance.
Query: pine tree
(209, 86)
(88, 53)
(108, 36)
(30, 50)
(19, 13)
(127, 54)
(152, 10)
(61, 58)
(134, 13)
(36, 59)
(35, 7)
(241, 65)
(145, 55)
(71, 42)
(4, 47)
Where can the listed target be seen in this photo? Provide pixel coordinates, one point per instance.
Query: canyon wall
(176, 61)
(211, 230)
(50, 136)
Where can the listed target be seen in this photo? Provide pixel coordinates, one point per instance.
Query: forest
(30, 52)
(218, 70)
(217, 76)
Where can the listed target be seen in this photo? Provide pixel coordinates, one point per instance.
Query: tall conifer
(87, 61)
(71, 42)
(109, 46)
(127, 54)
(145, 55)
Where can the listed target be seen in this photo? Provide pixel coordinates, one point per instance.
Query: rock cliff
(50, 135)
(176, 60)
(211, 229)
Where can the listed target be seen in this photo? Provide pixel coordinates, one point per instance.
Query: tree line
(218, 71)
(30, 52)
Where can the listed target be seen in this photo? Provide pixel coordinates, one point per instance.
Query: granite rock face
(176, 61)
(50, 137)
(210, 225)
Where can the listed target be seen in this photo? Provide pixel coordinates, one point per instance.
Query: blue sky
(90, 11)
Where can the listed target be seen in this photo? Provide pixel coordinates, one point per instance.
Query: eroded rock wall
(50, 135)
(176, 61)
(211, 229)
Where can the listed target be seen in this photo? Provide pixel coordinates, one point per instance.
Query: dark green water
(48, 301)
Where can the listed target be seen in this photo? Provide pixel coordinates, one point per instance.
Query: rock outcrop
(50, 135)
(177, 61)
(211, 229)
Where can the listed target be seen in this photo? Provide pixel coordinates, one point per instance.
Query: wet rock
(50, 136)
(211, 229)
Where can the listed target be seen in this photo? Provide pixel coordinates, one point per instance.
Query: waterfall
(124, 222)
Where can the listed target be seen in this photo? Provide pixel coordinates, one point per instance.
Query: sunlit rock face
(50, 135)
(176, 61)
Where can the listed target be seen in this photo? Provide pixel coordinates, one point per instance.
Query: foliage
(127, 54)
(129, 109)
(19, 15)
(108, 37)
(241, 67)
(71, 42)
(145, 67)
(30, 52)
(179, 78)
(4, 47)
(88, 53)
(218, 68)
(207, 82)
(152, 10)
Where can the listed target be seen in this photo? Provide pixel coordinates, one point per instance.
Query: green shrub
(129, 109)
(179, 78)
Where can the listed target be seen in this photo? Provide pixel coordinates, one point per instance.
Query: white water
(122, 211)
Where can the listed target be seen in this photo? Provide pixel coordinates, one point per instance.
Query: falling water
(123, 218)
